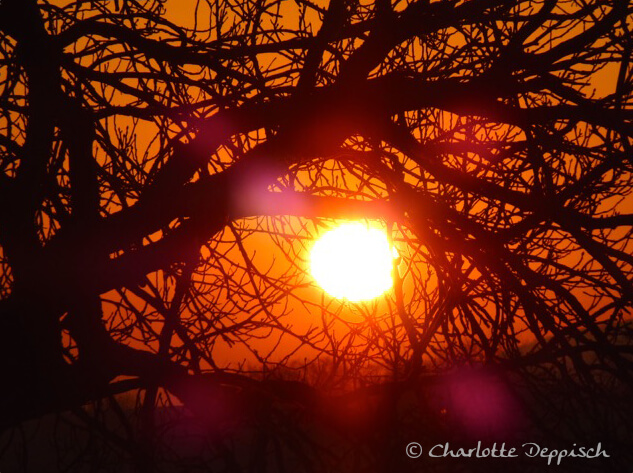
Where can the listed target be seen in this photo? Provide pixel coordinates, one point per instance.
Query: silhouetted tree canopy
(166, 166)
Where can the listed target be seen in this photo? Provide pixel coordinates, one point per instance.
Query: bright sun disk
(353, 262)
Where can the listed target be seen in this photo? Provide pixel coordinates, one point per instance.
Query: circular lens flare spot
(353, 262)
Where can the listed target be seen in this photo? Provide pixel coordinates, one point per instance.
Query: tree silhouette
(165, 168)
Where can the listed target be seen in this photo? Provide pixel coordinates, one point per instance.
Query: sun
(353, 262)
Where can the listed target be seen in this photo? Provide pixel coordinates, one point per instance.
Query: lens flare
(353, 262)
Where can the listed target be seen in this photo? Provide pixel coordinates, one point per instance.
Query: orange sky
(265, 251)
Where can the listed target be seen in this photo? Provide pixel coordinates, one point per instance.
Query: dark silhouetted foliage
(165, 166)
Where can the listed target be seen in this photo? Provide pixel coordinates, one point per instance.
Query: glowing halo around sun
(353, 262)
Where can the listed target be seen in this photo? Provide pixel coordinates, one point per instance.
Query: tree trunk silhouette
(165, 168)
